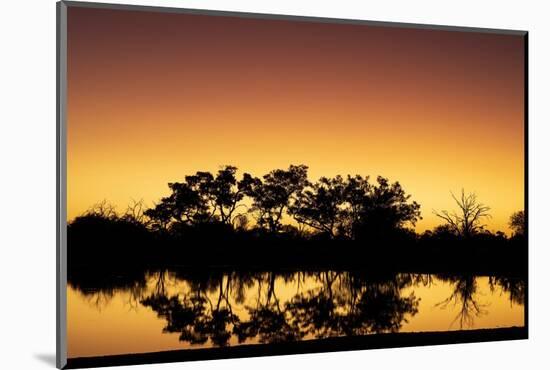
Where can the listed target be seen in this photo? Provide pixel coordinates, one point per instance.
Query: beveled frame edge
(61, 185)
(288, 17)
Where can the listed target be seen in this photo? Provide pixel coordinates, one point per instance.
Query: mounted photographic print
(235, 185)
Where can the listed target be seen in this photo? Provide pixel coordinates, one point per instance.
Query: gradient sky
(153, 97)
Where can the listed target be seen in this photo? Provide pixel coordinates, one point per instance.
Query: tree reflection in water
(464, 295)
(514, 287)
(356, 306)
(345, 303)
(100, 287)
(218, 306)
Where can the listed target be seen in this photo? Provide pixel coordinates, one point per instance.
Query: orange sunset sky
(153, 97)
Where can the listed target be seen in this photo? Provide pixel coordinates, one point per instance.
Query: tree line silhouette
(334, 207)
(283, 216)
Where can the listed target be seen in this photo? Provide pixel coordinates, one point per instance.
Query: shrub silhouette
(100, 235)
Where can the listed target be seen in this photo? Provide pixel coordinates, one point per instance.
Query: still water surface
(166, 310)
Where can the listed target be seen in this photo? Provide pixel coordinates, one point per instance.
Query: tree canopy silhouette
(385, 210)
(517, 223)
(202, 198)
(354, 208)
(275, 193)
(322, 205)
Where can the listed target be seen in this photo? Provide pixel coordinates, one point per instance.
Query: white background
(27, 182)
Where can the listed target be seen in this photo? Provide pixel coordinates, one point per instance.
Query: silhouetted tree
(355, 192)
(221, 193)
(160, 215)
(321, 206)
(468, 221)
(517, 223)
(354, 207)
(274, 194)
(226, 192)
(186, 202)
(384, 210)
(202, 200)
